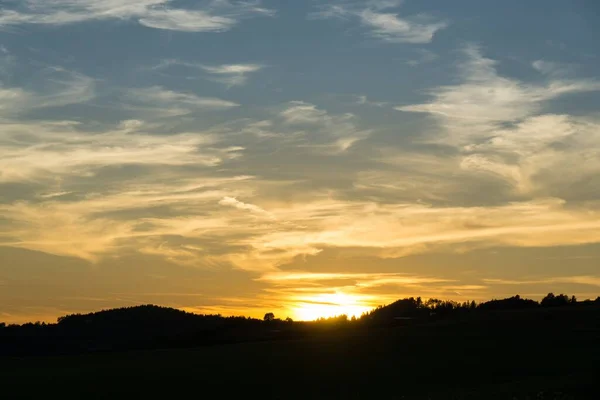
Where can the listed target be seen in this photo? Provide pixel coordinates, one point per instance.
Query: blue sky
(237, 156)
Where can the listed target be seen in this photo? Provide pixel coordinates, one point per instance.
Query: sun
(330, 305)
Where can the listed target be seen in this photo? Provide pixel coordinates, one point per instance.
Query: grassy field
(539, 354)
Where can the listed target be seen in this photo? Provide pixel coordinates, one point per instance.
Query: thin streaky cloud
(366, 279)
(211, 16)
(227, 74)
(579, 280)
(383, 24)
(252, 208)
(231, 74)
(172, 103)
(59, 87)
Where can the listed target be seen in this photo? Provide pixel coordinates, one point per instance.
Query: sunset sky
(308, 157)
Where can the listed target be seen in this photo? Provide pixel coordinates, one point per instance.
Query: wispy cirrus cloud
(422, 56)
(484, 95)
(167, 102)
(299, 276)
(208, 16)
(227, 74)
(499, 126)
(55, 87)
(240, 205)
(382, 23)
(341, 130)
(578, 280)
(34, 152)
(232, 74)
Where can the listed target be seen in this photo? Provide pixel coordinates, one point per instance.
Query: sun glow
(330, 305)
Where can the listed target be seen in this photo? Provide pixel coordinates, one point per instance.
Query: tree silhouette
(269, 317)
(552, 300)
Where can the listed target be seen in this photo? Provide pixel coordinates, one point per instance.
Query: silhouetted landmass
(512, 348)
(150, 326)
(140, 327)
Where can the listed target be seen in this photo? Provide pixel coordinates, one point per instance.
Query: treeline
(149, 326)
(417, 309)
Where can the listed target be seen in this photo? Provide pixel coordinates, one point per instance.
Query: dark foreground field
(535, 354)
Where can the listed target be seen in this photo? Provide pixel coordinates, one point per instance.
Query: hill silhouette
(150, 326)
(139, 327)
(511, 348)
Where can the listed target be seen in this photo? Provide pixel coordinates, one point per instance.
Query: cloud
(55, 86)
(366, 279)
(365, 101)
(390, 27)
(312, 294)
(171, 103)
(386, 26)
(210, 16)
(486, 96)
(232, 74)
(59, 161)
(340, 131)
(67, 87)
(423, 56)
(176, 206)
(7, 62)
(553, 69)
(579, 280)
(13, 98)
(300, 112)
(186, 21)
(235, 203)
(186, 195)
(31, 152)
(499, 126)
(227, 74)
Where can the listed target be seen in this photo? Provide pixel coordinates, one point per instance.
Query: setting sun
(330, 305)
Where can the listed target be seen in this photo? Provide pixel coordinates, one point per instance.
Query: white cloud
(552, 69)
(294, 229)
(498, 124)
(171, 103)
(186, 21)
(364, 100)
(67, 87)
(12, 98)
(35, 152)
(340, 130)
(227, 74)
(202, 205)
(386, 26)
(213, 16)
(300, 112)
(60, 87)
(235, 203)
(391, 28)
(232, 74)
(486, 96)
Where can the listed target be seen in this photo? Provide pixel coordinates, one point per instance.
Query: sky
(307, 158)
